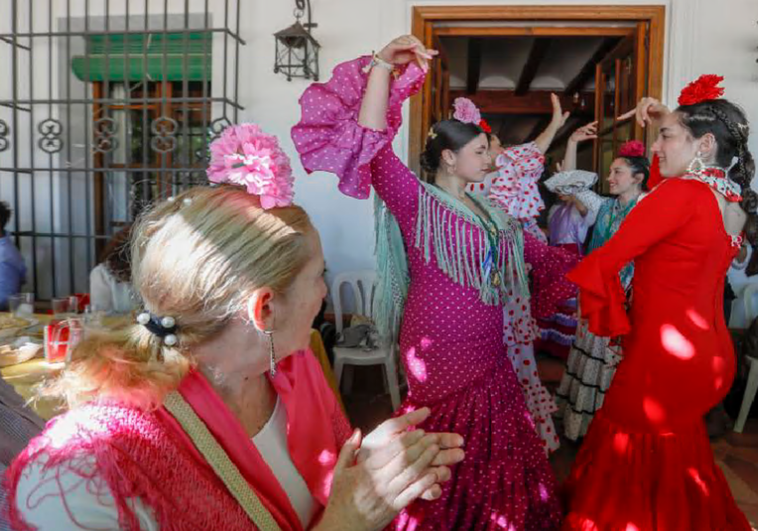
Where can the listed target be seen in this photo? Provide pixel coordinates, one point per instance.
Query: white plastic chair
(752, 380)
(362, 287)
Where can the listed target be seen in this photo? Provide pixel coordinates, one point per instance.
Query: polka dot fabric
(515, 187)
(328, 137)
(520, 334)
(451, 346)
(515, 191)
(550, 288)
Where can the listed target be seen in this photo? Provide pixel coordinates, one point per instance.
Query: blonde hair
(198, 259)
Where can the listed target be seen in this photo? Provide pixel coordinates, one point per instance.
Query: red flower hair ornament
(633, 148)
(705, 88)
(485, 126)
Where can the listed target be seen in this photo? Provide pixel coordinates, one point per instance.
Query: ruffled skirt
(627, 481)
(589, 371)
(505, 482)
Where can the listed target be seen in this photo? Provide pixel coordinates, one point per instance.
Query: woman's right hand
(586, 132)
(405, 49)
(371, 487)
(648, 111)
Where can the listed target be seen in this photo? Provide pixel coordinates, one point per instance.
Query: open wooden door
(621, 79)
(440, 84)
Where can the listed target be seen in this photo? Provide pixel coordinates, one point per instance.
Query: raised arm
(399, 52)
(582, 134)
(547, 136)
(349, 122)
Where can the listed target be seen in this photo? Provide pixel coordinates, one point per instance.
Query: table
(25, 377)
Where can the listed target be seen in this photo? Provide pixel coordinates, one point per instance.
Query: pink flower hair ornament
(466, 111)
(247, 156)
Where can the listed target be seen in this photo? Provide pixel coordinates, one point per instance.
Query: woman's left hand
(387, 439)
(405, 49)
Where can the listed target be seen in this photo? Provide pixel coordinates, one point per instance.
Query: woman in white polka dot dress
(515, 190)
(446, 262)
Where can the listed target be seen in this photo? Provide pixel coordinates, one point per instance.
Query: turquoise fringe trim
(448, 230)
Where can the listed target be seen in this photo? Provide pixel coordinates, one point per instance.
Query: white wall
(703, 36)
(709, 37)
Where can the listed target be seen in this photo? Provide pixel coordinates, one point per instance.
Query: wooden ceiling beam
(587, 72)
(539, 50)
(507, 102)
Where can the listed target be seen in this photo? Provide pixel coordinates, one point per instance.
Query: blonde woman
(208, 412)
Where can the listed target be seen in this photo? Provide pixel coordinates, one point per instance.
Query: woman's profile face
(298, 307)
(473, 162)
(620, 177)
(674, 146)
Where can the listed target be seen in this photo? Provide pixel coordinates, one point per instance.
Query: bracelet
(378, 61)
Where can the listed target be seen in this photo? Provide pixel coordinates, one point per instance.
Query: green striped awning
(134, 57)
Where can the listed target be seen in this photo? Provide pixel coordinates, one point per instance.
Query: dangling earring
(269, 334)
(271, 352)
(697, 166)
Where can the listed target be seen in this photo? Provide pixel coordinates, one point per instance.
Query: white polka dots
(451, 343)
(515, 189)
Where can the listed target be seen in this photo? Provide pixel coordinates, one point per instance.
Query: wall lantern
(296, 49)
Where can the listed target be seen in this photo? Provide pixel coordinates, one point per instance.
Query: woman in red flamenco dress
(646, 463)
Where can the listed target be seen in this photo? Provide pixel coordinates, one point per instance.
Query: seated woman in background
(12, 266)
(208, 413)
(110, 282)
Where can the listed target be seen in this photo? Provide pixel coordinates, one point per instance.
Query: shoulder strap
(215, 455)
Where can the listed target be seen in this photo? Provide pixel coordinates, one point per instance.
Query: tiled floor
(737, 454)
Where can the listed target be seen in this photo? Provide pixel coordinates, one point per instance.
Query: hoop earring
(697, 165)
(271, 353)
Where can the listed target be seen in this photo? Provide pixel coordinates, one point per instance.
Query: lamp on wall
(296, 49)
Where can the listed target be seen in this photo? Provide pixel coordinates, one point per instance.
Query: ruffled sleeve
(550, 265)
(602, 298)
(328, 136)
(515, 187)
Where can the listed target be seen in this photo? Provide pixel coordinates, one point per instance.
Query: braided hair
(728, 124)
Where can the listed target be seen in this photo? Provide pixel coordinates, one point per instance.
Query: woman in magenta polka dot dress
(447, 262)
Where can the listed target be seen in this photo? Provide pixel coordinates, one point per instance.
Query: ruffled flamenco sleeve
(663, 211)
(602, 300)
(329, 137)
(515, 187)
(550, 265)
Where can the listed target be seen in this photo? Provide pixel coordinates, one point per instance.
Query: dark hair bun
(447, 134)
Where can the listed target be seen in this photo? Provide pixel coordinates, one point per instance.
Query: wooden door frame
(424, 19)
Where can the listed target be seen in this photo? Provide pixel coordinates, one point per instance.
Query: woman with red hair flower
(592, 360)
(646, 462)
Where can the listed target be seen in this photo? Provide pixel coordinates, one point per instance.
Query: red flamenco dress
(646, 463)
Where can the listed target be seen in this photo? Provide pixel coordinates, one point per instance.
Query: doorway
(508, 59)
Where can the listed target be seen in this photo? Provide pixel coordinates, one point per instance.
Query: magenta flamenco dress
(452, 329)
